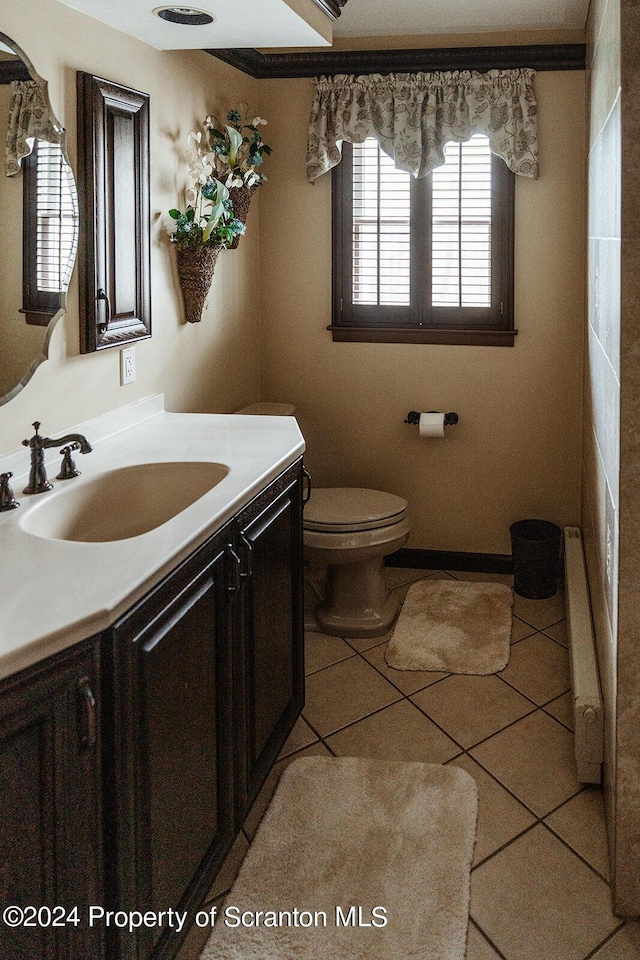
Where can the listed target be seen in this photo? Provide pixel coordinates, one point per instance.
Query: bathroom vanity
(133, 745)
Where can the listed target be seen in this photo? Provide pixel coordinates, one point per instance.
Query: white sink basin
(121, 503)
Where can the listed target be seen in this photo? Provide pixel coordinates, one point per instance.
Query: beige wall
(516, 451)
(611, 501)
(211, 366)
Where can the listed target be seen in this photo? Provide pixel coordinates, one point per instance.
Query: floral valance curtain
(29, 119)
(413, 115)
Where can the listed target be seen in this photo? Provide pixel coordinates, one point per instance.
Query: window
(428, 260)
(50, 231)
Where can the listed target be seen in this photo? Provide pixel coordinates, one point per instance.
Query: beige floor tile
(301, 736)
(536, 900)
(366, 643)
(538, 668)
(321, 650)
(534, 758)
(520, 629)
(409, 681)
(399, 732)
(472, 708)
(540, 613)
(624, 945)
(580, 822)
(500, 816)
(262, 801)
(562, 709)
(225, 879)
(558, 631)
(396, 576)
(345, 692)
(476, 577)
(477, 946)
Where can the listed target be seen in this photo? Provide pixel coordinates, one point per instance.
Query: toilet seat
(352, 509)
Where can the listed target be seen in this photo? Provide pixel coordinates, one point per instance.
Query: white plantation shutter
(461, 226)
(56, 219)
(381, 228)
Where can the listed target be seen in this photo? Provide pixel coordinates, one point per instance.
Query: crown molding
(263, 66)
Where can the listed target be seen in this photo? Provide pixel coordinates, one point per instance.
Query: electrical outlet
(127, 365)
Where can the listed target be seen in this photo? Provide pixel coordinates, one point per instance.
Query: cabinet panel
(50, 809)
(271, 651)
(172, 811)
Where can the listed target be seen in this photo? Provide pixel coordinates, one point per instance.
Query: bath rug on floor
(354, 841)
(453, 626)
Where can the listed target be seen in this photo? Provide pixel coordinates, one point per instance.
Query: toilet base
(357, 602)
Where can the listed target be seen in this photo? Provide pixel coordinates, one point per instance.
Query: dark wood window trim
(270, 66)
(114, 189)
(418, 322)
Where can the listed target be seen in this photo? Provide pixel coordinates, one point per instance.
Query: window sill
(480, 338)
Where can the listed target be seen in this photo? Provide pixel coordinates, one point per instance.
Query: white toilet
(351, 530)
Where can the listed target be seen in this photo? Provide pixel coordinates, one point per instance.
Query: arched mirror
(39, 205)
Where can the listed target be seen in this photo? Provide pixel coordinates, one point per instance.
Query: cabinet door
(173, 811)
(271, 672)
(50, 812)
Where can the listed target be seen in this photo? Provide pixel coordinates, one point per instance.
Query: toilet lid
(341, 509)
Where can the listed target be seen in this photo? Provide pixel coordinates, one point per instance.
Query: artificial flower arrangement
(216, 211)
(237, 149)
(208, 217)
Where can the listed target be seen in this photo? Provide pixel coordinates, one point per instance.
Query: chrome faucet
(38, 482)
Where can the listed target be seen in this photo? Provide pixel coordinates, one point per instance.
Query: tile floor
(539, 884)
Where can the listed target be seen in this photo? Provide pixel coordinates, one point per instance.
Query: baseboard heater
(588, 714)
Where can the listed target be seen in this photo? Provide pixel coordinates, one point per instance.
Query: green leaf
(190, 213)
(175, 214)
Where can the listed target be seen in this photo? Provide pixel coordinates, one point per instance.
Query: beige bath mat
(361, 842)
(453, 626)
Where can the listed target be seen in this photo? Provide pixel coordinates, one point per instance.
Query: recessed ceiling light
(185, 15)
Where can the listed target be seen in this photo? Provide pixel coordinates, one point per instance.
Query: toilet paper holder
(413, 417)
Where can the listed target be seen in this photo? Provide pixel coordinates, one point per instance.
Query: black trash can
(535, 547)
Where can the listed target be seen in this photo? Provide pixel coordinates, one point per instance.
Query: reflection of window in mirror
(50, 231)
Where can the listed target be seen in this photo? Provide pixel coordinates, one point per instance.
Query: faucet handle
(7, 499)
(36, 427)
(68, 467)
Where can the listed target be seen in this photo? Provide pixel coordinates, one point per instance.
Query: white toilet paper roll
(431, 425)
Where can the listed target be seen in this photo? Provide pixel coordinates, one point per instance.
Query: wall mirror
(39, 205)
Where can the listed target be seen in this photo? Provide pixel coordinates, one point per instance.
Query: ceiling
(375, 18)
(301, 23)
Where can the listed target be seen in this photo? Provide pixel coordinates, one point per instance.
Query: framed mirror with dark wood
(114, 261)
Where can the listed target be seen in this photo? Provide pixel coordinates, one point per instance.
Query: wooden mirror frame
(114, 258)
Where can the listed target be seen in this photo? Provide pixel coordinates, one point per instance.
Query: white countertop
(54, 593)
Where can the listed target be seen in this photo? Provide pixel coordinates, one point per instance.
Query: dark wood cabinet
(170, 762)
(270, 655)
(50, 807)
(205, 685)
(128, 796)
